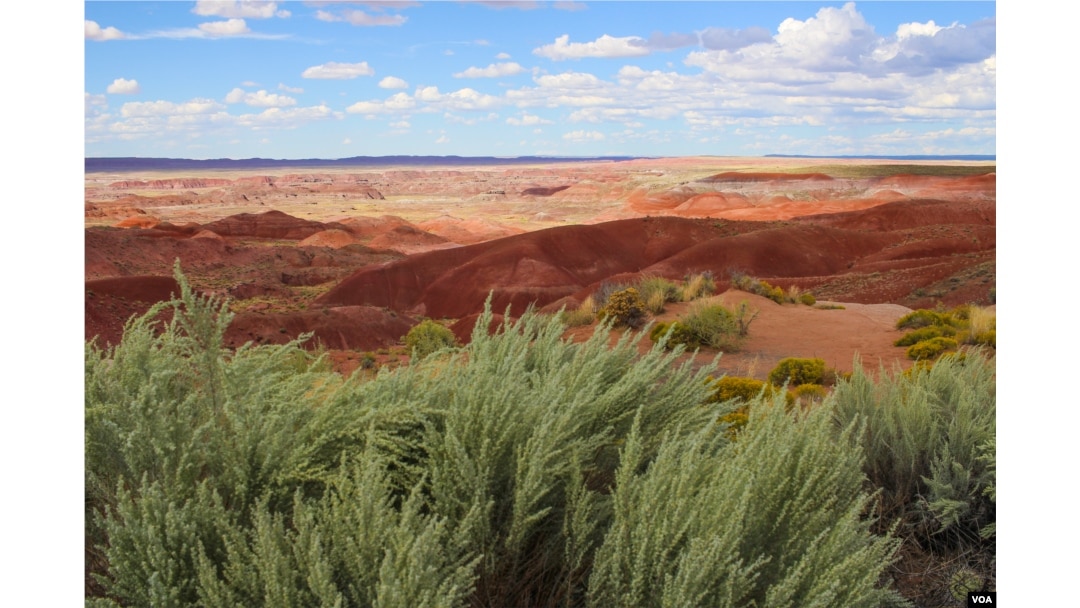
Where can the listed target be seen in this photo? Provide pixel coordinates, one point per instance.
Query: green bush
(986, 338)
(795, 371)
(740, 388)
(808, 299)
(760, 287)
(922, 318)
(427, 338)
(931, 349)
(809, 393)
(925, 333)
(713, 326)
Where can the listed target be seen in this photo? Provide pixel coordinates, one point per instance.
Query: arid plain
(357, 255)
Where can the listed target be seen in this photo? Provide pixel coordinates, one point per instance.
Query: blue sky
(337, 79)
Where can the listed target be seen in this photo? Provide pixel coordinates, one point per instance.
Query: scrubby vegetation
(427, 338)
(933, 333)
(794, 295)
(705, 325)
(796, 371)
(520, 470)
(929, 442)
(624, 307)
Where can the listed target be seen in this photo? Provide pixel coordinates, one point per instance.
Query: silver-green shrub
(776, 519)
(929, 440)
(524, 469)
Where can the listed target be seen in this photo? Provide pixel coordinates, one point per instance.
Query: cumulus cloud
(252, 9)
(259, 99)
(393, 82)
(338, 71)
(122, 86)
(399, 102)
(294, 90)
(495, 70)
(93, 31)
(232, 27)
(503, 56)
(923, 47)
(604, 46)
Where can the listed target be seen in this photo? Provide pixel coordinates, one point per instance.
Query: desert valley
(357, 255)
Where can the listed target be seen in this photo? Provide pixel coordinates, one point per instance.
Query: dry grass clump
(697, 285)
(584, 314)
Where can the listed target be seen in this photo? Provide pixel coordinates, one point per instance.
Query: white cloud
(339, 71)
(93, 31)
(232, 27)
(909, 30)
(360, 18)
(469, 99)
(443, 139)
(495, 70)
(401, 124)
(122, 86)
(604, 46)
(253, 9)
(471, 120)
(168, 108)
(294, 90)
(569, 80)
(399, 102)
(393, 82)
(346, 141)
(428, 94)
(94, 105)
(583, 136)
(286, 119)
(528, 120)
(259, 99)
(503, 56)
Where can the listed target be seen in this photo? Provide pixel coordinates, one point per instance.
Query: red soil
(888, 243)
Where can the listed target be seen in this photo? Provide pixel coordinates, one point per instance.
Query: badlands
(356, 255)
